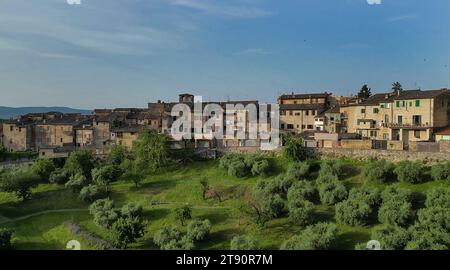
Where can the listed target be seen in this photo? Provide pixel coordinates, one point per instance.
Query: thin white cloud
(402, 18)
(374, 2)
(213, 7)
(253, 51)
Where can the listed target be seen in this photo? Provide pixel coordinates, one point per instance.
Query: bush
(410, 172)
(326, 178)
(332, 192)
(59, 176)
(104, 213)
(198, 230)
(117, 155)
(132, 210)
(333, 167)
(320, 236)
(5, 239)
(237, 169)
(170, 238)
(300, 210)
(438, 197)
(43, 168)
(92, 193)
(353, 212)
(395, 212)
(303, 189)
(274, 206)
(441, 171)
(293, 149)
(299, 170)
(435, 215)
(260, 167)
(77, 182)
(243, 242)
(19, 181)
(396, 193)
(106, 174)
(428, 237)
(391, 237)
(126, 230)
(80, 162)
(183, 213)
(379, 171)
(369, 195)
(241, 165)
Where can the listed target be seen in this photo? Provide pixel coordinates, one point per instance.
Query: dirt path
(4, 219)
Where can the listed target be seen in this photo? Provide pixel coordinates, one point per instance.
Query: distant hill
(10, 112)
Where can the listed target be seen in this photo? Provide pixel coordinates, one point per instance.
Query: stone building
(298, 112)
(411, 115)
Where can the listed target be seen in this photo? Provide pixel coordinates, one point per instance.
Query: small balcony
(409, 125)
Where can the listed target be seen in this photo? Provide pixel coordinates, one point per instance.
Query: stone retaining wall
(394, 156)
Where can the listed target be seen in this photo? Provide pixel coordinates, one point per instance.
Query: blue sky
(121, 53)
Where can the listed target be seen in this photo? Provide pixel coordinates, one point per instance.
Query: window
(363, 110)
(373, 133)
(297, 114)
(417, 120)
(290, 113)
(11, 128)
(310, 126)
(295, 101)
(331, 118)
(290, 126)
(282, 126)
(417, 134)
(313, 112)
(403, 103)
(376, 110)
(303, 126)
(386, 119)
(399, 119)
(307, 112)
(385, 136)
(410, 104)
(397, 103)
(298, 126)
(61, 140)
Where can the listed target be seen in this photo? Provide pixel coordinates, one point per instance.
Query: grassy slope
(159, 194)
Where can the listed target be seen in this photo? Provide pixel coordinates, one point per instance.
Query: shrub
(395, 212)
(320, 236)
(77, 182)
(353, 212)
(260, 167)
(441, 171)
(126, 230)
(300, 210)
(293, 148)
(274, 206)
(104, 213)
(170, 238)
(379, 171)
(80, 162)
(43, 168)
(410, 172)
(19, 181)
(391, 237)
(438, 197)
(237, 168)
(303, 189)
(370, 196)
(132, 210)
(396, 193)
(326, 178)
(299, 170)
(106, 174)
(117, 155)
(332, 192)
(183, 213)
(92, 193)
(333, 167)
(428, 237)
(5, 239)
(59, 176)
(243, 242)
(435, 215)
(198, 230)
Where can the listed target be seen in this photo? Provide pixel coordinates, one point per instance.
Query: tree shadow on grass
(349, 240)
(157, 213)
(350, 171)
(154, 187)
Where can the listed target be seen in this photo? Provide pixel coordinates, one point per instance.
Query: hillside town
(400, 120)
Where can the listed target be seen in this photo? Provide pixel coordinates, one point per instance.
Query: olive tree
(20, 182)
(320, 236)
(243, 242)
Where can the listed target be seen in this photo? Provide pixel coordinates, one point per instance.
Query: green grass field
(38, 226)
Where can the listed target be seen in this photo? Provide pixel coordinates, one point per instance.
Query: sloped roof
(303, 96)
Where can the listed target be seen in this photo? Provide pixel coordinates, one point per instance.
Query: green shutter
(418, 103)
(398, 103)
(403, 103)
